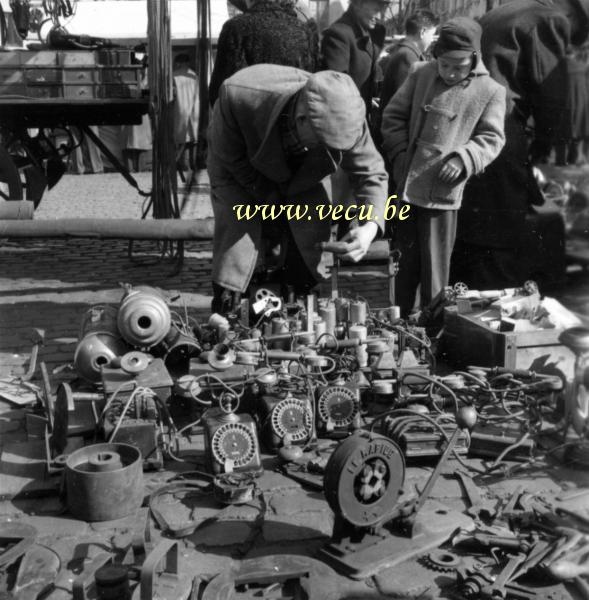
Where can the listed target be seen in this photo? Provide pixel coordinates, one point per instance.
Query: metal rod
(116, 163)
(128, 229)
(436, 473)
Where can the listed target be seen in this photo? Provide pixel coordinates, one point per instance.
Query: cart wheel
(11, 187)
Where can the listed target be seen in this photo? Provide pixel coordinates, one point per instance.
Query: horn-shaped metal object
(100, 342)
(221, 357)
(144, 318)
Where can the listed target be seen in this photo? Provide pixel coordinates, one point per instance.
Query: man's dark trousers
(426, 240)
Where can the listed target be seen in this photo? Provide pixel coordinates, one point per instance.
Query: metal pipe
(129, 229)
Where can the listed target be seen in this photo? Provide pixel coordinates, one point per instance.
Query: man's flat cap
(335, 109)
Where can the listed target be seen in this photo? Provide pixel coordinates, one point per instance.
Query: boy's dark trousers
(426, 240)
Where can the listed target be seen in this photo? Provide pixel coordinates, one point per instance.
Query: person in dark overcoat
(272, 32)
(523, 45)
(420, 29)
(350, 45)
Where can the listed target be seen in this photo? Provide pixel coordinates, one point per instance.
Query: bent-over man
(276, 133)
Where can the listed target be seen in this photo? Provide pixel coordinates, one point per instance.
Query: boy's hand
(452, 170)
(358, 241)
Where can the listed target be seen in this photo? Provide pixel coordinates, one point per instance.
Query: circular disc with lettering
(363, 478)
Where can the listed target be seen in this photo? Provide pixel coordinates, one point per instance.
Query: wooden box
(469, 340)
(77, 58)
(121, 82)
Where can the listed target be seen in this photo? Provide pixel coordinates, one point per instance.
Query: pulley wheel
(363, 478)
(135, 362)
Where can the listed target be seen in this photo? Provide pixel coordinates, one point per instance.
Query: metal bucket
(95, 351)
(104, 482)
(144, 318)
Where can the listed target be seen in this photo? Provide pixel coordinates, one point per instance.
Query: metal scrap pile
(348, 398)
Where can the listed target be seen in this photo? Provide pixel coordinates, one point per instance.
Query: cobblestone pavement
(49, 284)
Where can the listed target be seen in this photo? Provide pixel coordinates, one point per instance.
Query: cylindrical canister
(220, 324)
(280, 325)
(100, 318)
(362, 356)
(267, 329)
(358, 312)
(112, 582)
(342, 309)
(394, 313)
(318, 328)
(104, 494)
(380, 386)
(328, 314)
(358, 332)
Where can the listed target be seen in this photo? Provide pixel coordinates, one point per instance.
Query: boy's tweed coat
(426, 121)
(247, 165)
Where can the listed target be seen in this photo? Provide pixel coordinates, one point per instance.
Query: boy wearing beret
(443, 125)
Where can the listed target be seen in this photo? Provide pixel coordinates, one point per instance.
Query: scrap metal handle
(167, 549)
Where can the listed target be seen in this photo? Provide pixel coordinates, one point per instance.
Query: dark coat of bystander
(269, 32)
(349, 48)
(524, 44)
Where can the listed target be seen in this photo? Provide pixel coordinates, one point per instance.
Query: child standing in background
(443, 125)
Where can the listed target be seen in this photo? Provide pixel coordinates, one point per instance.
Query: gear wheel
(440, 560)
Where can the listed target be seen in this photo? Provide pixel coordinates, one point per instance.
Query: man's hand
(452, 170)
(358, 241)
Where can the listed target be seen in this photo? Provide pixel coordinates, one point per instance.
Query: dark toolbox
(469, 340)
(75, 74)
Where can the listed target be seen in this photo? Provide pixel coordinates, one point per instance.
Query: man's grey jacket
(247, 165)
